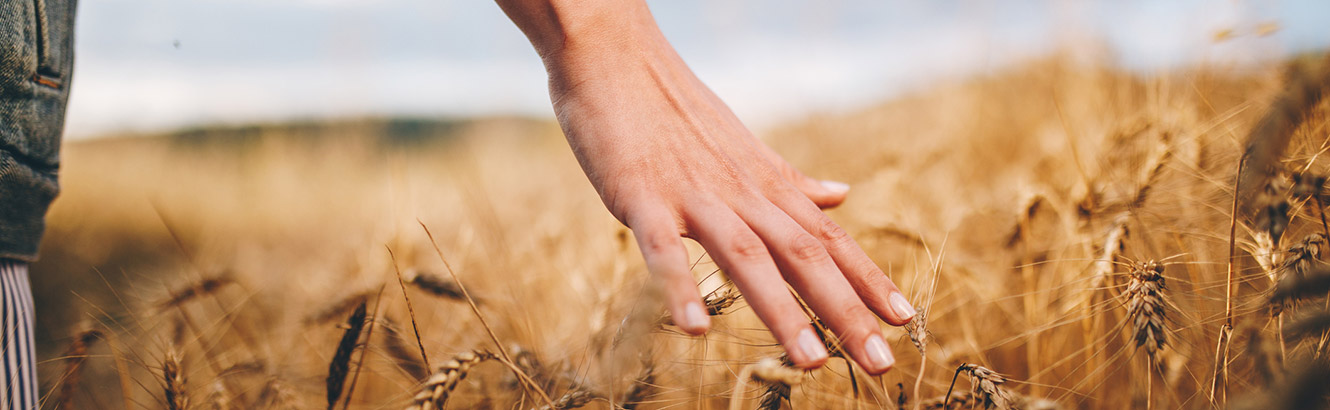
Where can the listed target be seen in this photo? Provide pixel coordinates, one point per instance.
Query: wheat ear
(76, 354)
(986, 387)
(434, 394)
(177, 397)
(340, 366)
(1146, 307)
(778, 376)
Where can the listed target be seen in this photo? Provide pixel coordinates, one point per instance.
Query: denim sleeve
(36, 58)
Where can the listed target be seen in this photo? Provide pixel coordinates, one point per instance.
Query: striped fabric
(19, 376)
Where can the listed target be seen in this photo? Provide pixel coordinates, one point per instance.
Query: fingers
(740, 252)
(809, 268)
(877, 291)
(667, 260)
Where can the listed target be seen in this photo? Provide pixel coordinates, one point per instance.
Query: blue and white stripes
(19, 376)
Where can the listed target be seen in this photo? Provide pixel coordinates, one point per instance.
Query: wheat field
(1065, 228)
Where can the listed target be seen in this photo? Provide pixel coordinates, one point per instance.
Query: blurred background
(263, 154)
(160, 64)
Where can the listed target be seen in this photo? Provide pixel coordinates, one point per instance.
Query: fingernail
(901, 306)
(837, 187)
(878, 354)
(811, 346)
(696, 318)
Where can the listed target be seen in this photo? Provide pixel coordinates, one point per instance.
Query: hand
(669, 159)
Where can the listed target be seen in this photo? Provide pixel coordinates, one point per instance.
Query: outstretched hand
(671, 160)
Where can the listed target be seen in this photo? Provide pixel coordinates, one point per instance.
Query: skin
(670, 160)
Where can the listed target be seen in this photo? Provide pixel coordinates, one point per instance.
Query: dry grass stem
(475, 309)
(410, 310)
(402, 354)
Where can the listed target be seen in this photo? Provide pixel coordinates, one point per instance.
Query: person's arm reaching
(669, 159)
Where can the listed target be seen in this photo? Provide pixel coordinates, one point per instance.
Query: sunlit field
(1064, 227)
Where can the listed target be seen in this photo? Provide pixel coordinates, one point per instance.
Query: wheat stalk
(410, 310)
(402, 354)
(475, 309)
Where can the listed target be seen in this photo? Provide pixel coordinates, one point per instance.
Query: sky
(154, 65)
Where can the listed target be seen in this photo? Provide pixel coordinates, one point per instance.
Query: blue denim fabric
(36, 60)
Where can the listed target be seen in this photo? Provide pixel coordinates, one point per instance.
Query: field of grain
(1064, 227)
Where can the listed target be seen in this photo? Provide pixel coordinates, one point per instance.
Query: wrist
(595, 36)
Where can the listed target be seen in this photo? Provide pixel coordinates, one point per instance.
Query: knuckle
(658, 242)
(872, 278)
(827, 230)
(748, 247)
(807, 249)
(788, 172)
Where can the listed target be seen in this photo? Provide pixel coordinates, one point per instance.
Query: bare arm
(669, 159)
